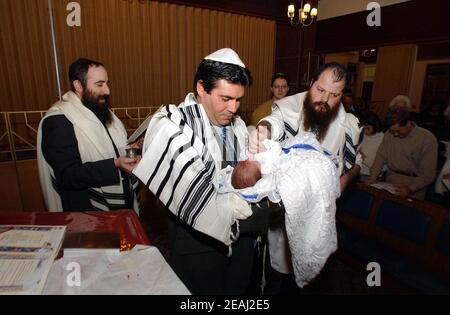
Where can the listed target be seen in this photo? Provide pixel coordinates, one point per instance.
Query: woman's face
(368, 130)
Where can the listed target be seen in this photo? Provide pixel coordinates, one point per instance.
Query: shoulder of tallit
(353, 126)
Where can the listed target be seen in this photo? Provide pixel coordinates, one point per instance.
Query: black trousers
(203, 265)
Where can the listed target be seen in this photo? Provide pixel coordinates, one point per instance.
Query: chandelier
(306, 14)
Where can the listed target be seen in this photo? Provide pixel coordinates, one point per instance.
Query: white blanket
(306, 179)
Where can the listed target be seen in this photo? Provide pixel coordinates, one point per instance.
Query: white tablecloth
(142, 270)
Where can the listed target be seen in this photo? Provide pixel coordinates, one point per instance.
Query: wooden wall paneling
(27, 76)
(29, 185)
(393, 75)
(151, 49)
(9, 188)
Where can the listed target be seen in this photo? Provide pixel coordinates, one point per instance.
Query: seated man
(410, 154)
(305, 178)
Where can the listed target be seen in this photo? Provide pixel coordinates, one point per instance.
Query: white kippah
(226, 55)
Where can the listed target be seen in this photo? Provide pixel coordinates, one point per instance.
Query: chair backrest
(356, 202)
(406, 222)
(443, 239)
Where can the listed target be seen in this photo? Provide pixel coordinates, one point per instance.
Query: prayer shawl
(181, 163)
(94, 144)
(343, 137)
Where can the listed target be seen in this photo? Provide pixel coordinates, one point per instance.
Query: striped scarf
(180, 165)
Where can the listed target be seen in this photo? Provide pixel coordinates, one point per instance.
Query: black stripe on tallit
(98, 197)
(113, 196)
(192, 198)
(161, 159)
(177, 181)
(209, 165)
(169, 171)
(202, 205)
(361, 138)
(290, 129)
(169, 113)
(192, 192)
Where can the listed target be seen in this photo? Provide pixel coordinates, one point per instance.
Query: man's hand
(363, 156)
(138, 144)
(126, 164)
(349, 177)
(256, 138)
(403, 190)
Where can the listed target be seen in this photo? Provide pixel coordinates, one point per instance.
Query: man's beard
(101, 110)
(318, 122)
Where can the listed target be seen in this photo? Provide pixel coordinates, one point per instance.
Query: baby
(305, 178)
(246, 174)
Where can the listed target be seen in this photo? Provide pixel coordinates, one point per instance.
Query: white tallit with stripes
(181, 163)
(343, 137)
(94, 144)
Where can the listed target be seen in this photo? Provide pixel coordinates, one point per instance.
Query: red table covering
(124, 222)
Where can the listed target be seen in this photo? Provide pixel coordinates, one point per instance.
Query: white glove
(241, 208)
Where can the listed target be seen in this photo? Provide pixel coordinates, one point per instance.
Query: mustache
(322, 104)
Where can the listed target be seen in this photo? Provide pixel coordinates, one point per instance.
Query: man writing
(319, 110)
(80, 143)
(185, 147)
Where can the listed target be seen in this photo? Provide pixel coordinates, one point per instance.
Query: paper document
(140, 131)
(386, 186)
(26, 256)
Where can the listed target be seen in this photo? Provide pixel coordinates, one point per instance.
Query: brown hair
(245, 174)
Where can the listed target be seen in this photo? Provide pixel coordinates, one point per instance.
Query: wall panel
(29, 185)
(152, 49)
(393, 75)
(27, 76)
(9, 188)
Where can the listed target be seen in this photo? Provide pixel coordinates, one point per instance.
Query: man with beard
(80, 147)
(318, 110)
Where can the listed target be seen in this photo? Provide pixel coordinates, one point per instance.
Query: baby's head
(246, 174)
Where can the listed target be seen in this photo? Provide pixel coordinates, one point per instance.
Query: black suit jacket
(73, 178)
